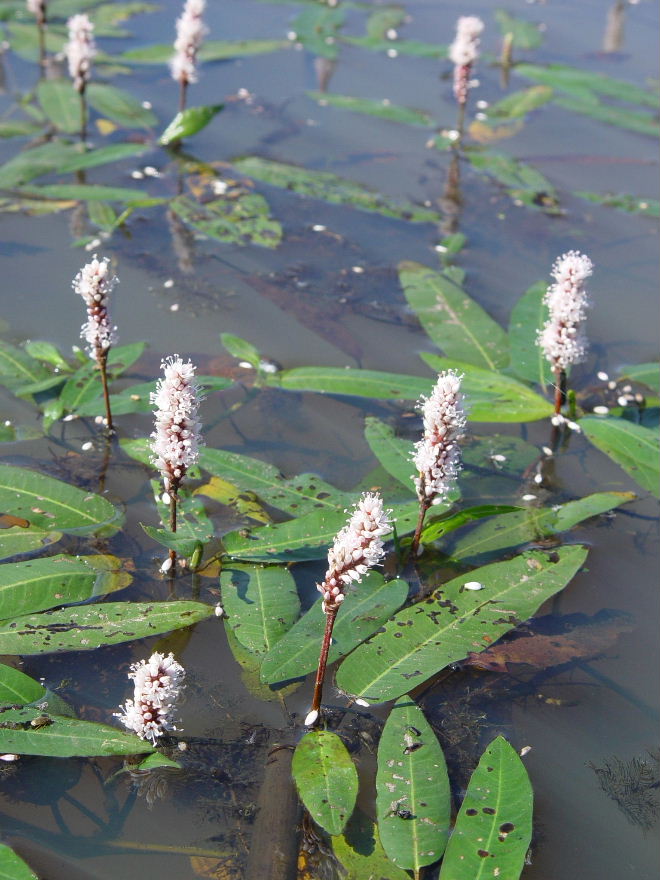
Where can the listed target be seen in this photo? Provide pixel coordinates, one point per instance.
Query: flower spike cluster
(357, 548)
(158, 684)
(95, 284)
(562, 338)
(80, 50)
(190, 31)
(176, 438)
(37, 8)
(464, 51)
(437, 455)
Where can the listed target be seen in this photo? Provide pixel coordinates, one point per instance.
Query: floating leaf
(358, 383)
(414, 48)
(382, 109)
(250, 665)
(642, 123)
(18, 128)
(454, 322)
(18, 368)
(65, 737)
(528, 316)
(91, 626)
(102, 156)
(433, 531)
(46, 351)
(182, 544)
(316, 28)
(12, 867)
(137, 398)
(189, 122)
(61, 104)
(330, 188)
(581, 83)
(394, 453)
(522, 182)
(526, 34)
(241, 349)
(645, 374)
(361, 853)
(84, 192)
(413, 800)
(211, 50)
(326, 779)
(520, 103)
(494, 397)
(421, 640)
(493, 828)
(224, 492)
(39, 584)
(632, 447)
(623, 202)
(243, 220)
(297, 653)
(18, 688)
(296, 540)
(120, 106)
(85, 385)
(261, 603)
(51, 504)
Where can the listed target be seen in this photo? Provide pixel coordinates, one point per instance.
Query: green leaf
(189, 122)
(155, 761)
(250, 664)
(193, 525)
(519, 104)
(296, 540)
(493, 828)
(317, 28)
(522, 182)
(623, 202)
(92, 626)
(413, 800)
(632, 447)
(441, 527)
(574, 512)
(361, 854)
(10, 433)
(298, 495)
(17, 687)
(453, 321)
(12, 867)
(61, 104)
(330, 188)
(382, 109)
(83, 192)
(103, 215)
(137, 398)
(494, 397)
(43, 159)
(65, 737)
(184, 546)
(528, 317)
(358, 383)
(18, 368)
(243, 220)
(421, 640)
(46, 351)
(241, 349)
(581, 83)
(102, 156)
(326, 779)
(261, 603)
(211, 50)
(297, 653)
(645, 374)
(85, 384)
(526, 35)
(642, 123)
(120, 106)
(39, 584)
(51, 504)
(394, 453)
(18, 128)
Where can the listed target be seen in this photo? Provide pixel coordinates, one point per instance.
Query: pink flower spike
(563, 338)
(80, 50)
(190, 31)
(158, 684)
(176, 437)
(95, 284)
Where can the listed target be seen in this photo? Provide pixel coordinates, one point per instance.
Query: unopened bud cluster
(158, 683)
(464, 51)
(80, 50)
(95, 284)
(563, 339)
(176, 437)
(190, 31)
(357, 548)
(437, 455)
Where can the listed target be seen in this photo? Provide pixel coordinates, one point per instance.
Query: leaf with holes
(261, 603)
(413, 800)
(631, 446)
(326, 779)
(296, 653)
(528, 317)
(455, 323)
(423, 639)
(493, 828)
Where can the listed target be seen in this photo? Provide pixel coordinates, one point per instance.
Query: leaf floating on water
(382, 109)
(211, 50)
(585, 83)
(242, 220)
(528, 315)
(189, 122)
(12, 866)
(326, 779)
(629, 204)
(522, 182)
(493, 828)
(631, 446)
(317, 28)
(520, 103)
(645, 374)
(361, 853)
(120, 106)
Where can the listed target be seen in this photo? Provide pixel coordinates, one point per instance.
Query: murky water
(304, 304)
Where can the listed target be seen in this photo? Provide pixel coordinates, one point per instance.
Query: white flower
(37, 8)
(562, 338)
(176, 438)
(80, 50)
(190, 31)
(437, 455)
(465, 48)
(94, 283)
(357, 548)
(158, 684)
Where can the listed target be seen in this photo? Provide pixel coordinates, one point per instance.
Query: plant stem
(41, 31)
(83, 117)
(183, 91)
(423, 507)
(102, 359)
(560, 390)
(173, 493)
(330, 615)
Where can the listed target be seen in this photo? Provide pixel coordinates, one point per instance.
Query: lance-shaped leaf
(382, 109)
(421, 640)
(296, 653)
(358, 383)
(394, 453)
(189, 122)
(526, 34)
(261, 602)
(250, 664)
(12, 867)
(18, 368)
(296, 540)
(64, 737)
(643, 206)
(316, 28)
(85, 385)
(61, 104)
(326, 779)
(91, 626)
(454, 321)
(39, 584)
(137, 398)
(17, 687)
(646, 374)
(120, 106)
(580, 82)
(494, 397)
(494, 825)
(49, 503)
(211, 50)
(17, 540)
(523, 182)
(413, 799)
(632, 447)
(520, 103)
(440, 527)
(528, 317)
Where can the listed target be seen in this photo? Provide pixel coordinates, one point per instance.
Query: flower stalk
(38, 9)
(80, 51)
(357, 548)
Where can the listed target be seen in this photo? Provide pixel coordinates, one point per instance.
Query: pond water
(329, 295)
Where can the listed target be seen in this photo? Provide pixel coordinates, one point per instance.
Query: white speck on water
(603, 376)
(529, 497)
(245, 365)
(147, 105)
(498, 457)
(391, 34)
(166, 566)
(601, 410)
(137, 175)
(361, 702)
(392, 53)
(87, 446)
(174, 307)
(525, 751)
(169, 283)
(318, 227)
(357, 269)
(547, 451)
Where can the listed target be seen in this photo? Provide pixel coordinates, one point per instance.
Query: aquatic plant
(158, 682)
(464, 52)
(38, 9)
(80, 51)
(190, 31)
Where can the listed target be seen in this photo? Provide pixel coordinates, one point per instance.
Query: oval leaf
(421, 640)
(413, 799)
(120, 106)
(19, 540)
(631, 446)
(494, 825)
(61, 104)
(189, 122)
(361, 853)
(326, 779)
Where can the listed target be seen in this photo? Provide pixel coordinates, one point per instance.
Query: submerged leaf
(326, 779)
(623, 202)
(243, 220)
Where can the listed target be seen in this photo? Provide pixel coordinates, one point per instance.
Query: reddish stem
(330, 615)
